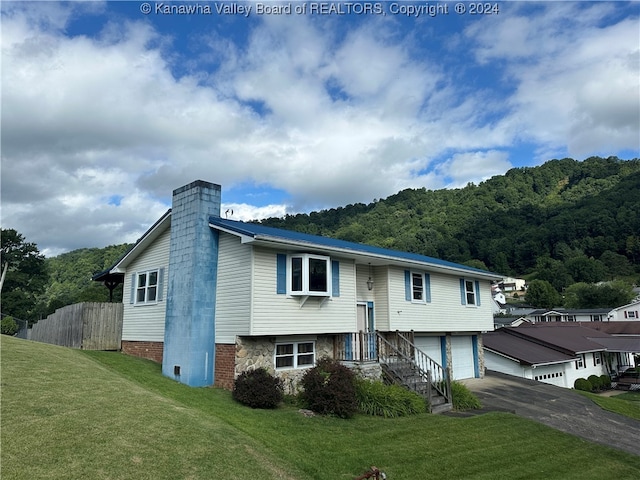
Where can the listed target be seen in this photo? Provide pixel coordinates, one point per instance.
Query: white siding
(499, 363)
(574, 373)
(146, 322)
(381, 298)
(233, 296)
(445, 313)
(279, 314)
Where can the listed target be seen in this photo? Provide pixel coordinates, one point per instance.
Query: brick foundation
(148, 350)
(225, 366)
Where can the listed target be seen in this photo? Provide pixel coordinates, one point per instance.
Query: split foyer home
(211, 297)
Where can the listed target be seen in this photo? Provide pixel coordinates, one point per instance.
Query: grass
(102, 415)
(627, 403)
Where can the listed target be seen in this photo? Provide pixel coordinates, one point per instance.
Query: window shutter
(427, 287)
(625, 314)
(281, 275)
(132, 297)
(335, 278)
(477, 293)
(407, 285)
(160, 283)
(476, 360)
(463, 294)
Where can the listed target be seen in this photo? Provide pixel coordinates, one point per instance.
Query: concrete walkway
(560, 408)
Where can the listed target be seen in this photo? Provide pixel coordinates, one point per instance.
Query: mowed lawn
(69, 414)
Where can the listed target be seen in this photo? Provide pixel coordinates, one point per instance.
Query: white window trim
(424, 293)
(295, 355)
(157, 285)
(473, 304)
(305, 275)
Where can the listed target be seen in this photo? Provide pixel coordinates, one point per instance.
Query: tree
(541, 294)
(8, 326)
(606, 295)
(26, 275)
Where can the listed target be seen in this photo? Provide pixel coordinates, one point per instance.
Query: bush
(8, 326)
(463, 398)
(376, 398)
(605, 381)
(329, 389)
(258, 389)
(596, 383)
(583, 384)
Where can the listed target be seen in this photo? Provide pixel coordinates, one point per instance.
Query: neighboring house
(566, 315)
(512, 285)
(557, 353)
(210, 298)
(626, 312)
(500, 321)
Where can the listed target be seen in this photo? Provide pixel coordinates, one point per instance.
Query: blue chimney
(189, 333)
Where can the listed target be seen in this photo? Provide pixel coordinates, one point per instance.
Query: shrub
(8, 326)
(376, 398)
(583, 384)
(463, 398)
(329, 389)
(596, 383)
(605, 381)
(258, 389)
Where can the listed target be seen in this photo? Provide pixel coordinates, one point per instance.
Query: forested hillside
(565, 222)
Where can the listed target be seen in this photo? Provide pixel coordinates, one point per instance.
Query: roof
(254, 232)
(616, 328)
(523, 350)
(572, 338)
(564, 311)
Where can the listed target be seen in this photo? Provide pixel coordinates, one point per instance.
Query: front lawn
(103, 415)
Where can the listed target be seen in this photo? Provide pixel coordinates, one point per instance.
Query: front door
(366, 338)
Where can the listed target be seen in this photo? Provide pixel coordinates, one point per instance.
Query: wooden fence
(89, 326)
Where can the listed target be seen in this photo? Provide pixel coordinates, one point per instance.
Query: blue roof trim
(256, 230)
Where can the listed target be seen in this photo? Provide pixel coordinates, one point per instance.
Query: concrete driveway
(560, 408)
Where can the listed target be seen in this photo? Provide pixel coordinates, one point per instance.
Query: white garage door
(430, 346)
(462, 357)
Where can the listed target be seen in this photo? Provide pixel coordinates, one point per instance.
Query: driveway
(557, 407)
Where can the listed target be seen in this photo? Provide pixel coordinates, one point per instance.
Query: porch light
(370, 280)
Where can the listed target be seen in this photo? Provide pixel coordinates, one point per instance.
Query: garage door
(430, 346)
(462, 357)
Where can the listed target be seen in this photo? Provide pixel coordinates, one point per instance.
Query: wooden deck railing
(396, 348)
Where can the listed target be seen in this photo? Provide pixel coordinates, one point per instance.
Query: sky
(107, 107)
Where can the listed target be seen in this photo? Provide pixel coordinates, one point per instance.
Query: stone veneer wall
(252, 353)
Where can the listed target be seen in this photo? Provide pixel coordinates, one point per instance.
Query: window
(309, 275)
(596, 318)
(630, 314)
(571, 318)
(147, 287)
(417, 287)
(580, 361)
(469, 292)
(295, 355)
(597, 358)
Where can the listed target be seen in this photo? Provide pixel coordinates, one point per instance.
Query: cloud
(330, 112)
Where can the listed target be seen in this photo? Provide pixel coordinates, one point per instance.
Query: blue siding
(463, 294)
(443, 351)
(477, 293)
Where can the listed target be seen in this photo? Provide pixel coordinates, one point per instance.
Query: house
(500, 321)
(626, 312)
(211, 297)
(557, 353)
(567, 315)
(512, 285)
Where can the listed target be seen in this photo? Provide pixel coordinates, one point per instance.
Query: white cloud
(328, 114)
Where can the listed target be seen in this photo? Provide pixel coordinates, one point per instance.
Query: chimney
(189, 337)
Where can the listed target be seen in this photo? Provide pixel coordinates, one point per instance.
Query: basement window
(295, 355)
